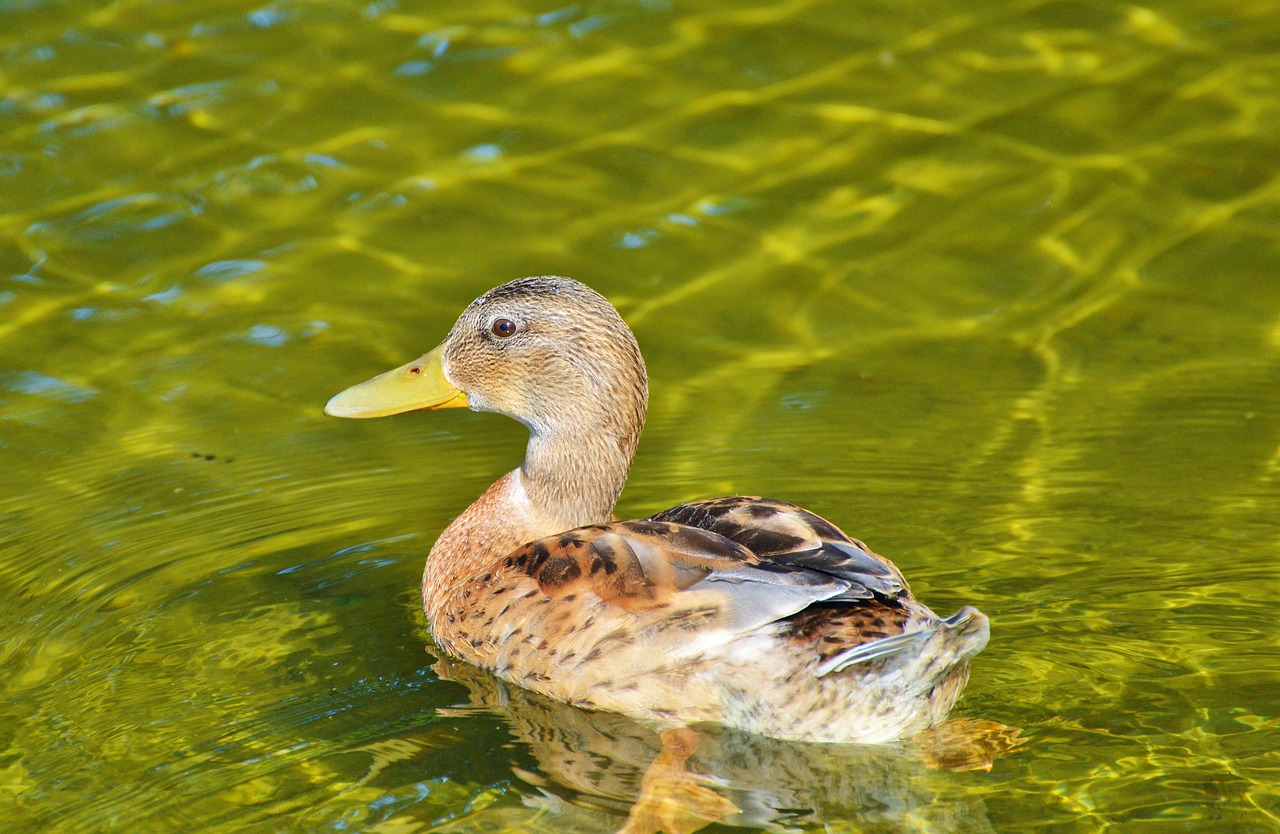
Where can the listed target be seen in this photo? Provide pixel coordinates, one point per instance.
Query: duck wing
(788, 536)
(672, 574)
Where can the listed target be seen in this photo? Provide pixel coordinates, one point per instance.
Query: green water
(994, 286)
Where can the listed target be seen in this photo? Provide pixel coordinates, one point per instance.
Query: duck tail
(959, 637)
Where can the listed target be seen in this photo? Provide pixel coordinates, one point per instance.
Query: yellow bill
(417, 385)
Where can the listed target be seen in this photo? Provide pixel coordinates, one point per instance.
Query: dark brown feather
(831, 628)
(640, 565)
(792, 537)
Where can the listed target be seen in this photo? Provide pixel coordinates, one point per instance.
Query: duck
(743, 612)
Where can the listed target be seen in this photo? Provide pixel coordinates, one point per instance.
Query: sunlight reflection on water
(991, 287)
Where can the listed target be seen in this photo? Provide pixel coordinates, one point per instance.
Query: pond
(992, 286)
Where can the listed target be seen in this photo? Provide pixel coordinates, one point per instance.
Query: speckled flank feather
(745, 611)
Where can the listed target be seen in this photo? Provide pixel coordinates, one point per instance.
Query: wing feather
(792, 537)
(649, 565)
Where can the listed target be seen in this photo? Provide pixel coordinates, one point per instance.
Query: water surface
(993, 286)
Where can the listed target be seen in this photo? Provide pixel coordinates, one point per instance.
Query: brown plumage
(744, 611)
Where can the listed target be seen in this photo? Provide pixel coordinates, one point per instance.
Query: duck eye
(503, 328)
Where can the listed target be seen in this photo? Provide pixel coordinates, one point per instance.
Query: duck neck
(575, 479)
(568, 479)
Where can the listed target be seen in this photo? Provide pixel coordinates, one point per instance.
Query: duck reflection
(682, 780)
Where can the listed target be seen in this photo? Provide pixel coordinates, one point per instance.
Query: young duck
(741, 611)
